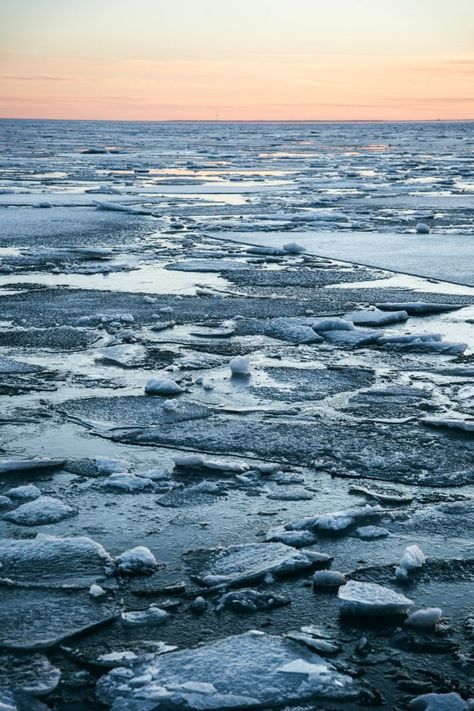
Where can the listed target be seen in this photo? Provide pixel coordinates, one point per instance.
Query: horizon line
(256, 120)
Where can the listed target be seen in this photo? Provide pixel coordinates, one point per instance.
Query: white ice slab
(440, 256)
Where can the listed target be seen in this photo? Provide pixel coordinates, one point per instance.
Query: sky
(237, 59)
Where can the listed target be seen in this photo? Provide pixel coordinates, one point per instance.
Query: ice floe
(369, 599)
(136, 561)
(41, 511)
(240, 564)
(252, 670)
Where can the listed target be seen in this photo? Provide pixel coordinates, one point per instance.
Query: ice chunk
(439, 702)
(412, 559)
(410, 338)
(424, 619)
(332, 324)
(127, 482)
(371, 599)
(197, 461)
(422, 228)
(328, 579)
(241, 563)
(41, 511)
(164, 387)
(245, 671)
(124, 355)
(136, 561)
(416, 344)
(297, 539)
(240, 365)
(29, 491)
(352, 339)
(293, 330)
(249, 600)
(116, 206)
(270, 251)
(19, 465)
(107, 465)
(336, 520)
(456, 423)
(376, 317)
(51, 558)
(371, 533)
(418, 308)
(96, 591)
(37, 619)
(32, 674)
(293, 248)
(151, 617)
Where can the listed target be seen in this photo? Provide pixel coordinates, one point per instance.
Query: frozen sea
(236, 416)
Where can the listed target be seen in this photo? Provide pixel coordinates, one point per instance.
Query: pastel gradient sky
(237, 59)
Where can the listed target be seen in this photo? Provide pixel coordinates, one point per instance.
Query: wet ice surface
(314, 431)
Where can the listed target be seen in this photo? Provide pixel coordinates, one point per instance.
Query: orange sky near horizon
(146, 61)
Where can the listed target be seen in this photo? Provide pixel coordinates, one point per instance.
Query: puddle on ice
(405, 281)
(148, 279)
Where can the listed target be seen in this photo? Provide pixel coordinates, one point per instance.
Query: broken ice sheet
(371, 599)
(252, 670)
(53, 561)
(132, 411)
(242, 563)
(41, 511)
(33, 674)
(37, 619)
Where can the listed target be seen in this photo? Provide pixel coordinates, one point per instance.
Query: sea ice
(199, 462)
(439, 702)
(328, 579)
(136, 561)
(412, 559)
(332, 324)
(424, 619)
(249, 600)
(297, 539)
(106, 465)
(455, 423)
(293, 248)
(371, 533)
(422, 228)
(337, 520)
(32, 674)
(242, 563)
(19, 465)
(240, 365)
(52, 559)
(122, 481)
(371, 599)
(38, 620)
(41, 511)
(418, 308)
(163, 387)
(376, 317)
(251, 670)
(151, 617)
(29, 491)
(352, 339)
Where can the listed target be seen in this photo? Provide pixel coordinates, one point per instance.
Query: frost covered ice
(412, 559)
(371, 599)
(164, 387)
(242, 563)
(252, 670)
(136, 561)
(41, 511)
